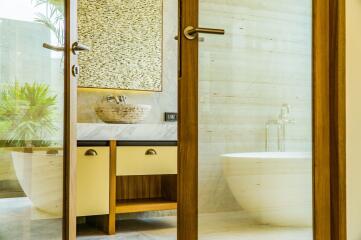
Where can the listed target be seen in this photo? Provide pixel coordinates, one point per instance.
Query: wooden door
(38, 117)
(327, 107)
(70, 116)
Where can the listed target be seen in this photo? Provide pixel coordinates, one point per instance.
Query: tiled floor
(19, 221)
(16, 224)
(220, 226)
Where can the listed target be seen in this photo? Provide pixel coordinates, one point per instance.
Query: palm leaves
(53, 18)
(27, 112)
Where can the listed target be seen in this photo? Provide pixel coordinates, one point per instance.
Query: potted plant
(27, 115)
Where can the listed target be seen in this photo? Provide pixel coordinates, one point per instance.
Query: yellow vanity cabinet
(92, 181)
(146, 160)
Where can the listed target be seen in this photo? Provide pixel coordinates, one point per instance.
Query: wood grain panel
(140, 187)
(132, 188)
(145, 205)
(146, 186)
(321, 121)
(187, 217)
(329, 120)
(112, 186)
(169, 187)
(122, 188)
(338, 121)
(70, 119)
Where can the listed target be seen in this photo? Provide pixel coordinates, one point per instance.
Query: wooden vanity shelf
(140, 177)
(146, 193)
(144, 205)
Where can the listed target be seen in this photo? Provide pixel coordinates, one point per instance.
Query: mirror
(125, 39)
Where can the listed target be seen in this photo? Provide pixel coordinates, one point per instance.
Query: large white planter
(274, 187)
(41, 177)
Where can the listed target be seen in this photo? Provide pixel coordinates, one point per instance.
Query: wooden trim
(329, 120)
(89, 143)
(145, 205)
(112, 188)
(146, 143)
(188, 126)
(321, 122)
(70, 119)
(338, 121)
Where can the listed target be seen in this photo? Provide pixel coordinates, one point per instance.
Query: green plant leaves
(53, 17)
(27, 113)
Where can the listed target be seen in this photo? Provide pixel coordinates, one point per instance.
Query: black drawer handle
(91, 152)
(151, 151)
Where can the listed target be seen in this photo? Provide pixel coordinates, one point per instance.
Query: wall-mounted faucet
(281, 122)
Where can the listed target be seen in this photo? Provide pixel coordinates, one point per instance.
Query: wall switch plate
(170, 117)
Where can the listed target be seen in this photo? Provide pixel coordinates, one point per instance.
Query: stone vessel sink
(111, 112)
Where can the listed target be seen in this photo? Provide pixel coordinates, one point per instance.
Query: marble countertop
(127, 132)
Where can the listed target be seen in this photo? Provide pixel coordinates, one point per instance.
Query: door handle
(53, 48)
(76, 47)
(191, 32)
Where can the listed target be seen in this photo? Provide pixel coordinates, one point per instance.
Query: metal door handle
(76, 47)
(191, 32)
(52, 47)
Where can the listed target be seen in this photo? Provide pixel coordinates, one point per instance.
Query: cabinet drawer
(92, 181)
(150, 160)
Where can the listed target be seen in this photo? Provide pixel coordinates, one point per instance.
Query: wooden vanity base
(135, 193)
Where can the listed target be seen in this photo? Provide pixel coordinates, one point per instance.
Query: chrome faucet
(116, 99)
(281, 122)
(283, 117)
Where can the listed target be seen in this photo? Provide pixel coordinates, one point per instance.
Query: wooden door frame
(328, 122)
(70, 119)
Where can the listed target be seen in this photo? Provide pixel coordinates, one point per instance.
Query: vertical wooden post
(188, 126)
(112, 187)
(338, 119)
(70, 119)
(321, 121)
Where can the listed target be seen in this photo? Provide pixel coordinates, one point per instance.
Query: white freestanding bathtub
(41, 178)
(273, 187)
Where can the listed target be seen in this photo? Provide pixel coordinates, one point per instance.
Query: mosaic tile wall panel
(125, 37)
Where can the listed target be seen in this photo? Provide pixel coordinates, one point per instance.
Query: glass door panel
(31, 119)
(255, 120)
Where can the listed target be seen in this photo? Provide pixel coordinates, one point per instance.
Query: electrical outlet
(170, 117)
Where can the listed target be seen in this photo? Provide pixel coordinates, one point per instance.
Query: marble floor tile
(215, 226)
(16, 224)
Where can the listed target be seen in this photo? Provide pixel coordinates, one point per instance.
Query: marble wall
(262, 62)
(165, 101)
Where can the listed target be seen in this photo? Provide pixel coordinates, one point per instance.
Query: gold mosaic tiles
(125, 37)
